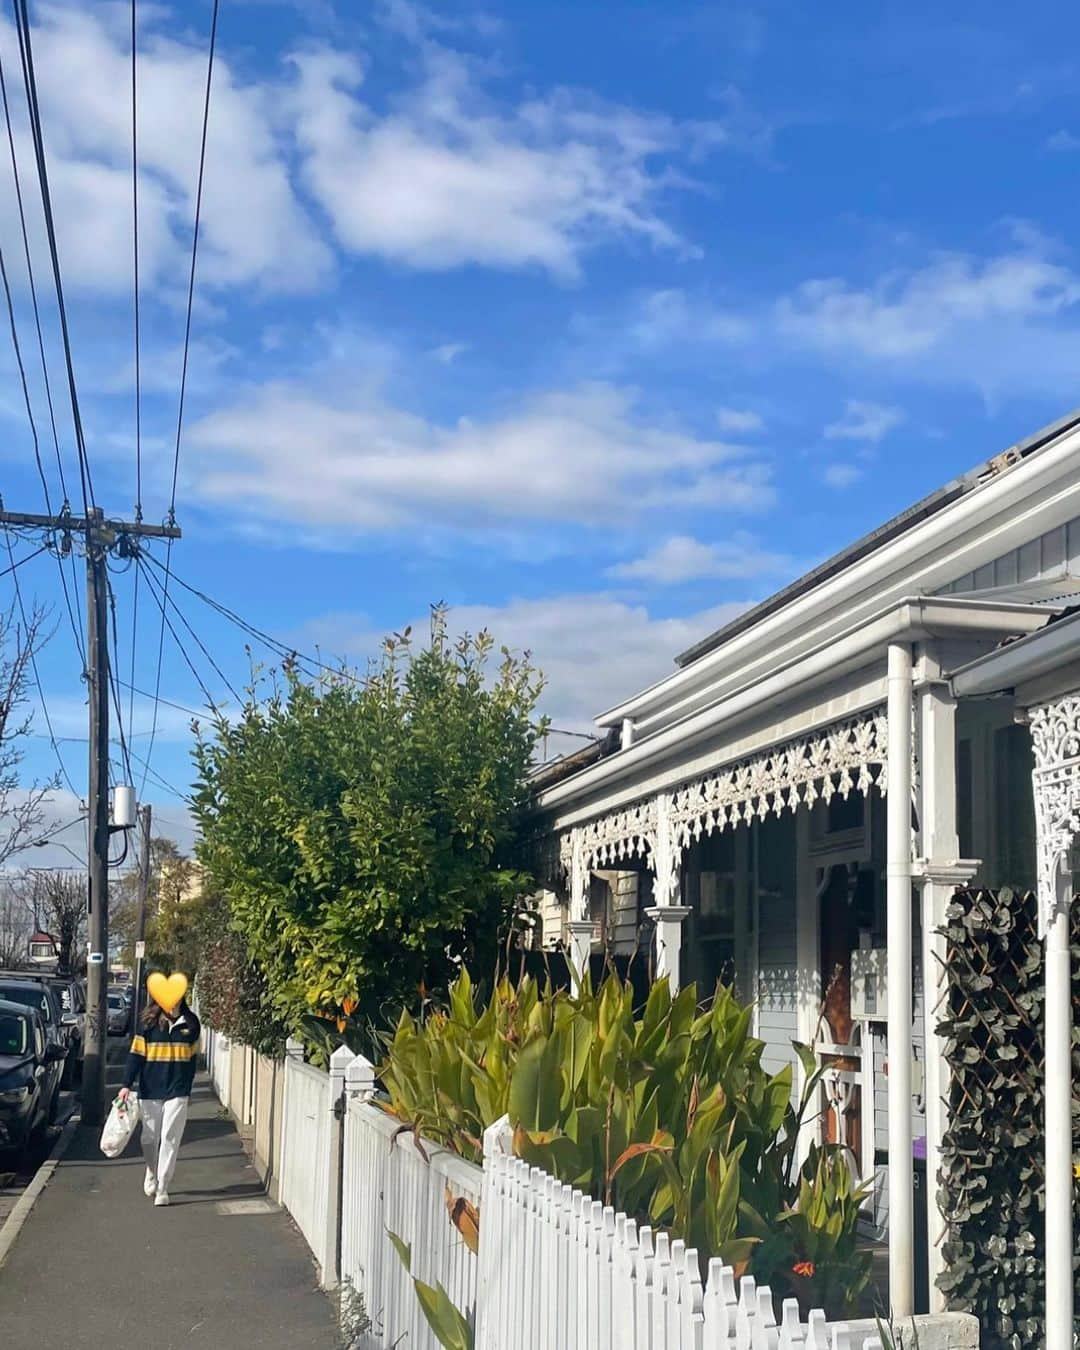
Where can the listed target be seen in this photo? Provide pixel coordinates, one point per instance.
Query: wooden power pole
(101, 538)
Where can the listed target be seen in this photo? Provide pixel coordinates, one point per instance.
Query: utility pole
(97, 967)
(101, 537)
(140, 920)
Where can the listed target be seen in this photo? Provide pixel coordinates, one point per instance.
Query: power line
(22, 26)
(274, 644)
(74, 614)
(135, 251)
(184, 364)
(165, 703)
(211, 701)
(150, 580)
(138, 342)
(19, 562)
(114, 687)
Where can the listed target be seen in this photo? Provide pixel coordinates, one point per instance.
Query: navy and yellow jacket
(161, 1065)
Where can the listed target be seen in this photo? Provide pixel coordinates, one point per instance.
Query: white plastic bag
(120, 1126)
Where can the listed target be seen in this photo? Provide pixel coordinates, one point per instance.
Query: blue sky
(597, 321)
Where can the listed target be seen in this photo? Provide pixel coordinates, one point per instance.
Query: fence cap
(341, 1059)
(359, 1075)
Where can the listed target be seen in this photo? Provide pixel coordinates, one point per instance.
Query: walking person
(161, 1068)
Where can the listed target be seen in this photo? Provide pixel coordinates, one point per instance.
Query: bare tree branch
(21, 811)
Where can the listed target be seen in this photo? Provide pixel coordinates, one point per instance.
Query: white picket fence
(620, 1285)
(217, 1049)
(390, 1185)
(555, 1269)
(306, 1133)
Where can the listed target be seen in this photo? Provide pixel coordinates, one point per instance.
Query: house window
(42, 951)
(965, 799)
(1014, 808)
(841, 822)
(600, 908)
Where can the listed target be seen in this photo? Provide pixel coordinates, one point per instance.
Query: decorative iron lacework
(846, 757)
(1055, 737)
(618, 837)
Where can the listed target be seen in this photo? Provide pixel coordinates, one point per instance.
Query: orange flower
(803, 1268)
(348, 1006)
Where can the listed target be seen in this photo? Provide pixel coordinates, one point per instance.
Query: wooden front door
(839, 935)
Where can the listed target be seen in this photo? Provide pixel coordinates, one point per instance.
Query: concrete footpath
(97, 1265)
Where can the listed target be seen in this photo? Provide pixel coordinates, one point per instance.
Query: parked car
(73, 1001)
(119, 1014)
(35, 991)
(30, 1068)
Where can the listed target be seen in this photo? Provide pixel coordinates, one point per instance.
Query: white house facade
(794, 805)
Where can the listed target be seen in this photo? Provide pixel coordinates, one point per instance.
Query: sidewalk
(96, 1265)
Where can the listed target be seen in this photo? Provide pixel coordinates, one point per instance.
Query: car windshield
(32, 998)
(116, 1002)
(13, 1038)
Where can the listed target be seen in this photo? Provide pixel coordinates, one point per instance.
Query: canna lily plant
(666, 1114)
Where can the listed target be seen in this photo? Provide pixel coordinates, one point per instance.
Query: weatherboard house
(795, 804)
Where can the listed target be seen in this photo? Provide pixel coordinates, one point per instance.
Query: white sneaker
(161, 1198)
(149, 1183)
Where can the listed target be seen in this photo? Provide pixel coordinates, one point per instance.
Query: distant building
(43, 949)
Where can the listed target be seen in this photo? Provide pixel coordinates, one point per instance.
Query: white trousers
(162, 1129)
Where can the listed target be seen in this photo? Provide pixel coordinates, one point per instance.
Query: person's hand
(123, 1094)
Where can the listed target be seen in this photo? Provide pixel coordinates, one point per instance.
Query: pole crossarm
(100, 524)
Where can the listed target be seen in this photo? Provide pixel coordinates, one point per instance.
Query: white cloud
(739, 421)
(352, 461)
(446, 175)
(682, 558)
(449, 352)
(842, 476)
(909, 314)
(1063, 142)
(254, 230)
(864, 421)
(593, 648)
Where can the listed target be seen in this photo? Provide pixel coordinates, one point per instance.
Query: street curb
(13, 1223)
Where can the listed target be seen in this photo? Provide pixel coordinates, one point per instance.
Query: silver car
(118, 1014)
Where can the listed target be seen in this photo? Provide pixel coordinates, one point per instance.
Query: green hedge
(991, 1183)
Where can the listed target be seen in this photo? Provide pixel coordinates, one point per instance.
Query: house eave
(913, 619)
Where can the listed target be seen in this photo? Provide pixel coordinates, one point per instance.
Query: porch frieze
(1055, 739)
(844, 757)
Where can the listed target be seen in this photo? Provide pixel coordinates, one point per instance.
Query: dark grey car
(34, 991)
(30, 1066)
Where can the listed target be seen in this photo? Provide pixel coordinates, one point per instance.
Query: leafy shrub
(233, 996)
(361, 828)
(667, 1115)
(992, 1184)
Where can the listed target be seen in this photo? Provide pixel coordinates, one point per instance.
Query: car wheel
(54, 1105)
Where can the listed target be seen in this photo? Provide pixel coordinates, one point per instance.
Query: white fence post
(339, 1063)
(494, 1236)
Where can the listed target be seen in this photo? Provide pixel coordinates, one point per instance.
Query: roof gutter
(913, 618)
(1021, 661)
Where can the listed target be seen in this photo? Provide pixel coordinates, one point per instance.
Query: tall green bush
(360, 829)
(992, 1185)
(668, 1115)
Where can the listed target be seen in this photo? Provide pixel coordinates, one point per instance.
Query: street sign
(140, 951)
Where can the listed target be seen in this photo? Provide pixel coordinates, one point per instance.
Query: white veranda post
(898, 929)
(1055, 734)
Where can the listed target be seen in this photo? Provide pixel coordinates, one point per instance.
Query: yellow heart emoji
(167, 990)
